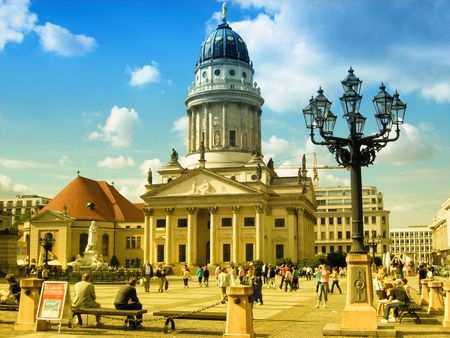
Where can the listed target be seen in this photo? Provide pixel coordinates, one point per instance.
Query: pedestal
(29, 301)
(436, 301)
(424, 299)
(446, 321)
(359, 312)
(239, 313)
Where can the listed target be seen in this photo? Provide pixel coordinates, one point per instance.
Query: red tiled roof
(110, 205)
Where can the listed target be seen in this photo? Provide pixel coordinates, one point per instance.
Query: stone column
(436, 302)
(191, 236)
(167, 247)
(424, 299)
(239, 313)
(212, 235)
(148, 235)
(235, 225)
(446, 321)
(292, 251)
(259, 220)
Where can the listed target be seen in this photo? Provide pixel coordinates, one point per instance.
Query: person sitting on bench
(85, 296)
(124, 295)
(397, 298)
(12, 296)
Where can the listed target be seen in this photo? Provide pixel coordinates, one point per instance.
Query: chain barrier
(120, 318)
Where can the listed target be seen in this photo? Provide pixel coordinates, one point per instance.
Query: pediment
(201, 182)
(49, 216)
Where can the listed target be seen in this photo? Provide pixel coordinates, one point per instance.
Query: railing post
(436, 302)
(425, 292)
(239, 312)
(446, 321)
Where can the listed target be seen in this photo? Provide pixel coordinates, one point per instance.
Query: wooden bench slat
(14, 307)
(105, 311)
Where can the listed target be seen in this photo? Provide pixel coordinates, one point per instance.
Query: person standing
(186, 275)
(324, 274)
(288, 280)
(422, 274)
(161, 274)
(335, 278)
(233, 275)
(147, 271)
(126, 299)
(85, 297)
(205, 276)
(271, 273)
(223, 281)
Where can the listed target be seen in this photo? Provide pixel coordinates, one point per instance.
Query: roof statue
(174, 156)
(201, 149)
(270, 164)
(150, 176)
(224, 11)
(258, 172)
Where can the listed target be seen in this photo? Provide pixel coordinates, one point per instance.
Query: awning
(54, 262)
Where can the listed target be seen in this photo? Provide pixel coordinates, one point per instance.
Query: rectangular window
(366, 233)
(347, 220)
(374, 219)
(233, 138)
(339, 220)
(322, 221)
(279, 251)
(366, 219)
(322, 235)
(133, 242)
(316, 250)
(249, 221)
(315, 235)
(331, 220)
(383, 220)
(324, 249)
(331, 235)
(249, 252)
(182, 223)
(348, 248)
(226, 252)
(348, 235)
(161, 223)
(340, 248)
(138, 242)
(127, 263)
(227, 222)
(279, 222)
(331, 248)
(339, 234)
(182, 253)
(128, 242)
(160, 252)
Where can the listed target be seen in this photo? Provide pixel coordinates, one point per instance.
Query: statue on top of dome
(224, 11)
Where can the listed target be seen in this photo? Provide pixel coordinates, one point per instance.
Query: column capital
(235, 209)
(269, 211)
(259, 208)
(191, 210)
(291, 211)
(148, 212)
(213, 210)
(169, 211)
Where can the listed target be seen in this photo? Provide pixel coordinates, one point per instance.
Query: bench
(101, 311)
(171, 315)
(409, 310)
(9, 307)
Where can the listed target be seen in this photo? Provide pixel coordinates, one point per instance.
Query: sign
(52, 301)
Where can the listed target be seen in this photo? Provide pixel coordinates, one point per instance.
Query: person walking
(186, 274)
(161, 274)
(288, 280)
(233, 275)
(335, 278)
(147, 272)
(324, 274)
(271, 273)
(199, 274)
(126, 299)
(205, 276)
(422, 274)
(223, 281)
(85, 297)
(295, 278)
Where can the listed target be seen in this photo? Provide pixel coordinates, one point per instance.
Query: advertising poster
(51, 302)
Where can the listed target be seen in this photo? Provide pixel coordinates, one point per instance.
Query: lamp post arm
(378, 137)
(342, 141)
(320, 143)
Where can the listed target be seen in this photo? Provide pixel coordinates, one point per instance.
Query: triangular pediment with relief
(201, 182)
(50, 216)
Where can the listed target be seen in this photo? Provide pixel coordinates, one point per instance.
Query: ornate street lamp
(373, 242)
(356, 151)
(47, 242)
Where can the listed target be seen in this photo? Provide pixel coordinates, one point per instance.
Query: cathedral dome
(224, 43)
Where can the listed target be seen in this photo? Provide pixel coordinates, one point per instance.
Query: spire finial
(224, 11)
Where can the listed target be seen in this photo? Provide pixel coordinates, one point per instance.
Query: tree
(114, 261)
(336, 259)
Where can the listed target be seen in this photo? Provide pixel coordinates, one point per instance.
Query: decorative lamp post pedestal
(239, 313)
(29, 301)
(359, 312)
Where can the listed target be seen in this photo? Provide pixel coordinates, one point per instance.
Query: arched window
(105, 245)
(83, 243)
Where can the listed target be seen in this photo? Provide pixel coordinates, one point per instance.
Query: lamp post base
(359, 312)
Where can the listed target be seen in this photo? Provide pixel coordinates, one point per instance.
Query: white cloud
(15, 164)
(180, 128)
(61, 41)
(154, 164)
(8, 187)
(144, 75)
(15, 21)
(119, 127)
(63, 160)
(414, 145)
(438, 91)
(118, 162)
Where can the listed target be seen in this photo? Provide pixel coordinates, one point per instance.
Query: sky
(99, 86)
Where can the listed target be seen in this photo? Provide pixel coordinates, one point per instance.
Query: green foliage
(258, 264)
(114, 261)
(337, 259)
(285, 261)
(137, 263)
(316, 261)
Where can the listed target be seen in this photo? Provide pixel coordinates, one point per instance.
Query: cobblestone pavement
(284, 314)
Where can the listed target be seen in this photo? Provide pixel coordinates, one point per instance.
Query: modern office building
(441, 235)
(22, 205)
(333, 231)
(414, 242)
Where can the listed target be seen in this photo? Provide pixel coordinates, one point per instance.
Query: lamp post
(47, 242)
(356, 151)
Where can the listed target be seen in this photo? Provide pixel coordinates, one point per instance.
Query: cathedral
(226, 204)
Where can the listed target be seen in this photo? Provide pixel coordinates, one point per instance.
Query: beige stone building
(441, 234)
(225, 204)
(333, 231)
(414, 242)
(8, 243)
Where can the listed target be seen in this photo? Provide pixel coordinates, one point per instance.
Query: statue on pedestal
(92, 239)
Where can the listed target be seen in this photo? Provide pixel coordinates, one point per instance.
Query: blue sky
(99, 86)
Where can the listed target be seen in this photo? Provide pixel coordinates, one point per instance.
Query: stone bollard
(436, 301)
(425, 292)
(29, 302)
(239, 312)
(446, 321)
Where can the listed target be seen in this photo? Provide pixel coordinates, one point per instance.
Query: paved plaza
(284, 314)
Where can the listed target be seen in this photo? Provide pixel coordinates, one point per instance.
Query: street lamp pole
(356, 151)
